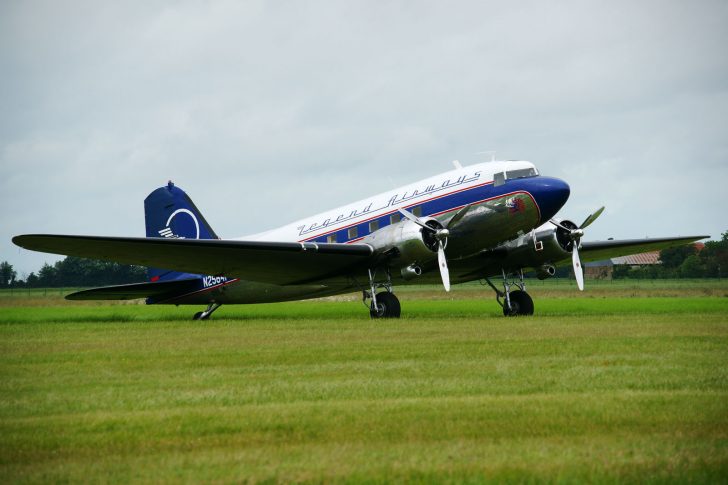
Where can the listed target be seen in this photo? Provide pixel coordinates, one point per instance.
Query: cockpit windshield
(521, 173)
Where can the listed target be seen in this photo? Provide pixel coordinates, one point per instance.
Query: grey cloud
(268, 111)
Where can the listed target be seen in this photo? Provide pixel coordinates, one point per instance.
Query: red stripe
(392, 212)
(439, 213)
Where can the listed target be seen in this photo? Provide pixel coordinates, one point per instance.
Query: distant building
(599, 270)
(641, 259)
(604, 269)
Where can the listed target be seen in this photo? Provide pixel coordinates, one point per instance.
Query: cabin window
(417, 211)
(353, 232)
(395, 218)
(331, 238)
(373, 226)
(499, 179)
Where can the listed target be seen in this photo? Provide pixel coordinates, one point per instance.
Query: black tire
(521, 304)
(387, 306)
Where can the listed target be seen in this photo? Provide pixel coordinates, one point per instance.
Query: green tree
(7, 273)
(673, 258)
(72, 271)
(692, 267)
(32, 281)
(48, 276)
(714, 257)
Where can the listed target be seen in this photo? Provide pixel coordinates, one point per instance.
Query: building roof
(652, 257)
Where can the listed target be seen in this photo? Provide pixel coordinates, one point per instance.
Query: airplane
(478, 222)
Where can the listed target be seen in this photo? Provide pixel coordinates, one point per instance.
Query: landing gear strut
(383, 304)
(516, 302)
(206, 314)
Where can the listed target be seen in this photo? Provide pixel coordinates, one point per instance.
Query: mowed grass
(620, 387)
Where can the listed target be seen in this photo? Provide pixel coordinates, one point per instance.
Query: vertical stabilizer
(170, 213)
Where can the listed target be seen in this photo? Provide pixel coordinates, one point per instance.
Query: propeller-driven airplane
(489, 220)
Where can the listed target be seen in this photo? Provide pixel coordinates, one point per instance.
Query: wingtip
(18, 240)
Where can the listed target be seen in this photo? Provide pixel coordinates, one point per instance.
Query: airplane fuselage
(504, 199)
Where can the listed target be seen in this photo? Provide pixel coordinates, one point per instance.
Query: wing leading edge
(280, 263)
(599, 250)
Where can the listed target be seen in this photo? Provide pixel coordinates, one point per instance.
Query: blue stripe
(549, 193)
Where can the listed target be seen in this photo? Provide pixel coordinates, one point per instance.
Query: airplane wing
(136, 290)
(599, 250)
(490, 262)
(280, 263)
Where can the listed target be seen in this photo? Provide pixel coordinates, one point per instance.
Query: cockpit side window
(499, 179)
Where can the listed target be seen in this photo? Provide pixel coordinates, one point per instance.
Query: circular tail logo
(182, 228)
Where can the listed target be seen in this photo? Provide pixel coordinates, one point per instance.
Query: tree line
(684, 262)
(74, 272)
(679, 262)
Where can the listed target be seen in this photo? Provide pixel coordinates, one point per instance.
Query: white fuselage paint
(389, 202)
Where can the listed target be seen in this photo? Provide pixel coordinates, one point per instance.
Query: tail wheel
(387, 306)
(521, 304)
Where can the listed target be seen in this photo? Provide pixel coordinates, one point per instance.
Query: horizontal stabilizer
(136, 290)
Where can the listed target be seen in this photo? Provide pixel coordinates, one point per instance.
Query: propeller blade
(558, 224)
(592, 218)
(578, 272)
(415, 219)
(458, 215)
(442, 262)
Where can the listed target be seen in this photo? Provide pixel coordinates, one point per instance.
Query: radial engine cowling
(539, 249)
(406, 244)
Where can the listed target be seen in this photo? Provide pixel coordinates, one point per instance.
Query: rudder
(170, 213)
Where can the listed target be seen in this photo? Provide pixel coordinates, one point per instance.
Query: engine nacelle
(407, 245)
(539, 249)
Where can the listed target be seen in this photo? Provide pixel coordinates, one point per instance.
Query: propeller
(440, 234)
(576, 234)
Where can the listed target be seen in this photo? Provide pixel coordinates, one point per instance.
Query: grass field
(627, 382)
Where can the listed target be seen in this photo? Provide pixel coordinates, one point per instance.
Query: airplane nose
(552, 195)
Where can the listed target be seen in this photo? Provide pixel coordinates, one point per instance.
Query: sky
(265, 112)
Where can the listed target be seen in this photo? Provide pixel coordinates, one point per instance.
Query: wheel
(387, 306)
(521, 304)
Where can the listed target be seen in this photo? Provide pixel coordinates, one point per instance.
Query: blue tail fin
(170, 213)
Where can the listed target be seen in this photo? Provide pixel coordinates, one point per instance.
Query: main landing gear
(517, 302)
(206, 314)
(383, 304)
